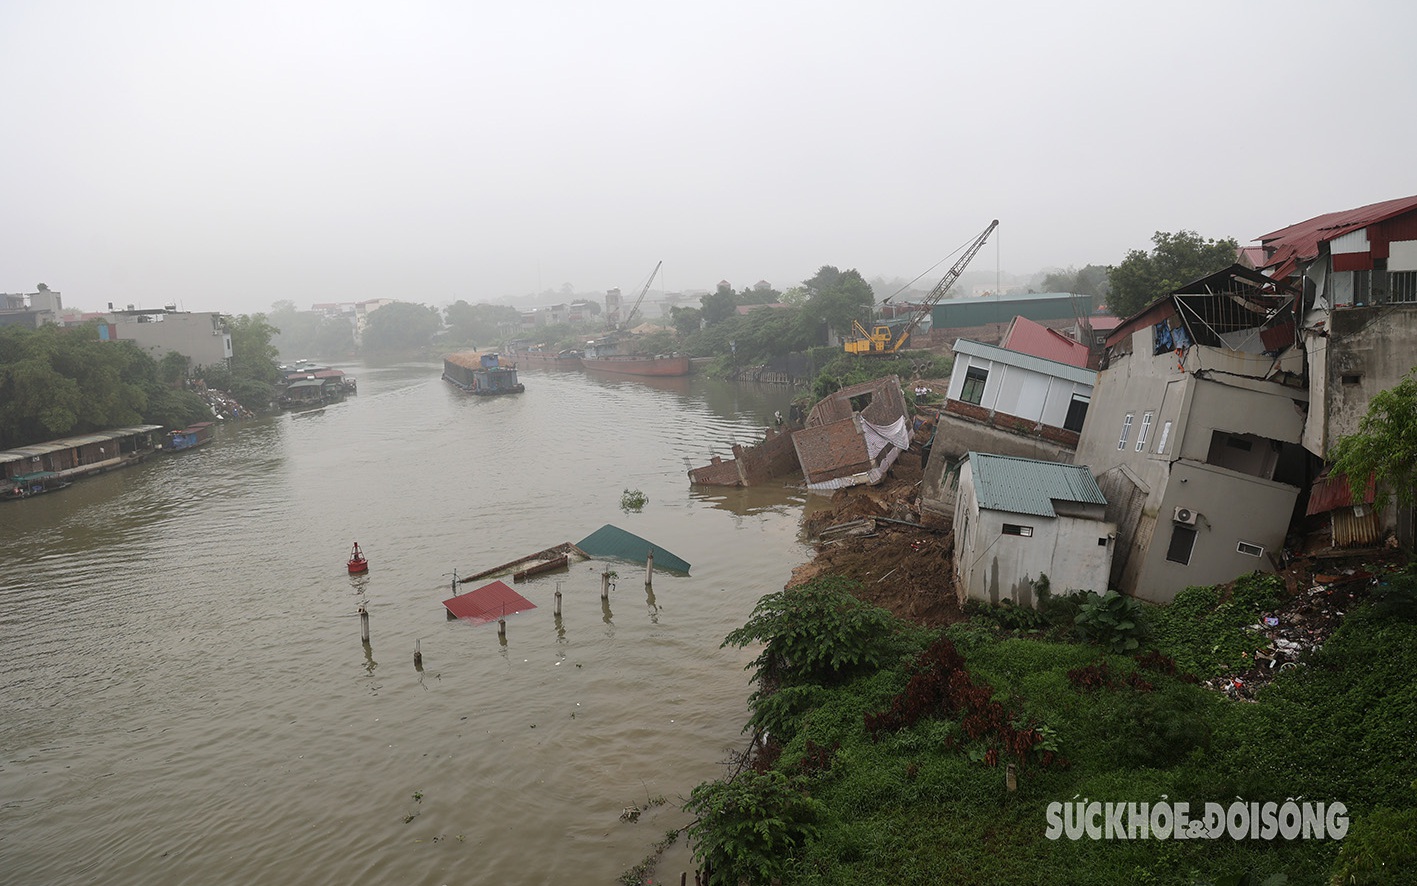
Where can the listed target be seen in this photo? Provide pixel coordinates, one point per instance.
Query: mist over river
(186, 698)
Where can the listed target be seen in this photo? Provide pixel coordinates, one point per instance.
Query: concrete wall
(1369, 351)
(1230, 508)
(200, 337)
(751, 465)
(991, 566)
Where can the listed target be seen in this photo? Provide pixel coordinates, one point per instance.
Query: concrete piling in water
(605, 583)
(364, 624)
(418, 655)
(649, 569)
(502, 629)
(557, 611)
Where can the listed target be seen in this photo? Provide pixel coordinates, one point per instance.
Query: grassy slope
(909, 809)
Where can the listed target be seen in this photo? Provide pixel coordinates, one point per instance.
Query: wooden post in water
(418, 655)
(502, 629)
(558, 603)
(605, 583)
(364, 624)
(649, 568)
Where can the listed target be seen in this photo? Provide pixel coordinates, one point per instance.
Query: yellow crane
(883, 339)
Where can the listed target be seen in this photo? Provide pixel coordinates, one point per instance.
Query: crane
(625, 324)
(882, 340)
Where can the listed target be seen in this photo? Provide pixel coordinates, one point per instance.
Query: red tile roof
(1289, 246)
(1027, 337)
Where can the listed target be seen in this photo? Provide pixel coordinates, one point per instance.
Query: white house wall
(1025, 393)
(1229, 509)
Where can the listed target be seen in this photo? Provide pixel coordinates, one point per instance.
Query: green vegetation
(887, 745)
(1385, 445)
(1175, 260)
(56, 382)
(633, 500)
(1112, 621)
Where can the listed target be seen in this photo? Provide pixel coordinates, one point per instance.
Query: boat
(539, 359)
(604, 355)
(481, 374)
(635, 364)
(32, 484)
(309, 386)
(357, 563)
(191, 437)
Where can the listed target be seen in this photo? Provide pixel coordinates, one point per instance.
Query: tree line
(60, 381)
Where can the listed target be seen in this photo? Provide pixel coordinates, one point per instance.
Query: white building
(1017, 519)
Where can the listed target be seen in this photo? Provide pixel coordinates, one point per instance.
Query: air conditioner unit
(1184, 515)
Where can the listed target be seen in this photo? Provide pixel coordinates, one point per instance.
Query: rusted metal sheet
(1330, 492)
(1350, 529)
(487, 603)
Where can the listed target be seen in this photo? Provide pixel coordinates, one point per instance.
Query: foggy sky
(224, 156)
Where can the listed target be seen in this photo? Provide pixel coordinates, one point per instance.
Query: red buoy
(357, 563)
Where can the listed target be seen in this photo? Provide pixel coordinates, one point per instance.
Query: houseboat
(605, 356)
(198, 434)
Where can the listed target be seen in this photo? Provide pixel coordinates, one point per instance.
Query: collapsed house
(853, 436)
(1194, 433)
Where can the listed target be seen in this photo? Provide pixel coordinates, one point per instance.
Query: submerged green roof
(612, 541)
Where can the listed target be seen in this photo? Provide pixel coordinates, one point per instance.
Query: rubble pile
(1320, 594)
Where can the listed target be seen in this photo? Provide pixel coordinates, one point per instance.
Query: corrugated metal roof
(612, 541)
(488, 603)
(1026, 361)
(1027, 337)
(1330, 492)
(73, 442)
(1028, 486)
(1289, 246)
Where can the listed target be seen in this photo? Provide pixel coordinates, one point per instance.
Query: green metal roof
(614, 542)
(1026, 361)
(1028, 486)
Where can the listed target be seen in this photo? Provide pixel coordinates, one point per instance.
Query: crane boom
(950, 278)
(625, 324)
(880, 340)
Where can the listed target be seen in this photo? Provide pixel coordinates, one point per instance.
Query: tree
(401, 326)
(719, 306)
(1175, 260)
(1384, 447)
(686, 320)
(837, 298)
(1091, 280)
(480, 322)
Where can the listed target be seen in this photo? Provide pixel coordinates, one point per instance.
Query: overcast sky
(226, 155)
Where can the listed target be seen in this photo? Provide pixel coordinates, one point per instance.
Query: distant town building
(200, 337)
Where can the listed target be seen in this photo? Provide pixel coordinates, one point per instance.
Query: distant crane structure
(882, 340)
(625, 324)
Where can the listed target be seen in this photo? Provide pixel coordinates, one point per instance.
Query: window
(973, 390)
(1077, 413)
(1403, 285)
(1353, 379)
(1102, 542)
(1183, 542)
(1015, 529)
(1165, 433)
(1245, 547)
(1126, 429)
(1145, 430)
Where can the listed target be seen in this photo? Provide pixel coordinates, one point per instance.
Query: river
(186, 697)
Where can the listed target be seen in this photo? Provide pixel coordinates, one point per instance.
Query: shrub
(818, 633)
(1112, 621)
(749, 827)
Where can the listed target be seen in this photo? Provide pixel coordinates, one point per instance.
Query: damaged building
(853, 436)
(1195, 430)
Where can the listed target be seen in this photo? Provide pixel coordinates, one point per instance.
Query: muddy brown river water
(186, 698)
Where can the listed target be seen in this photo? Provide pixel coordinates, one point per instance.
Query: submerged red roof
(488, 603)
